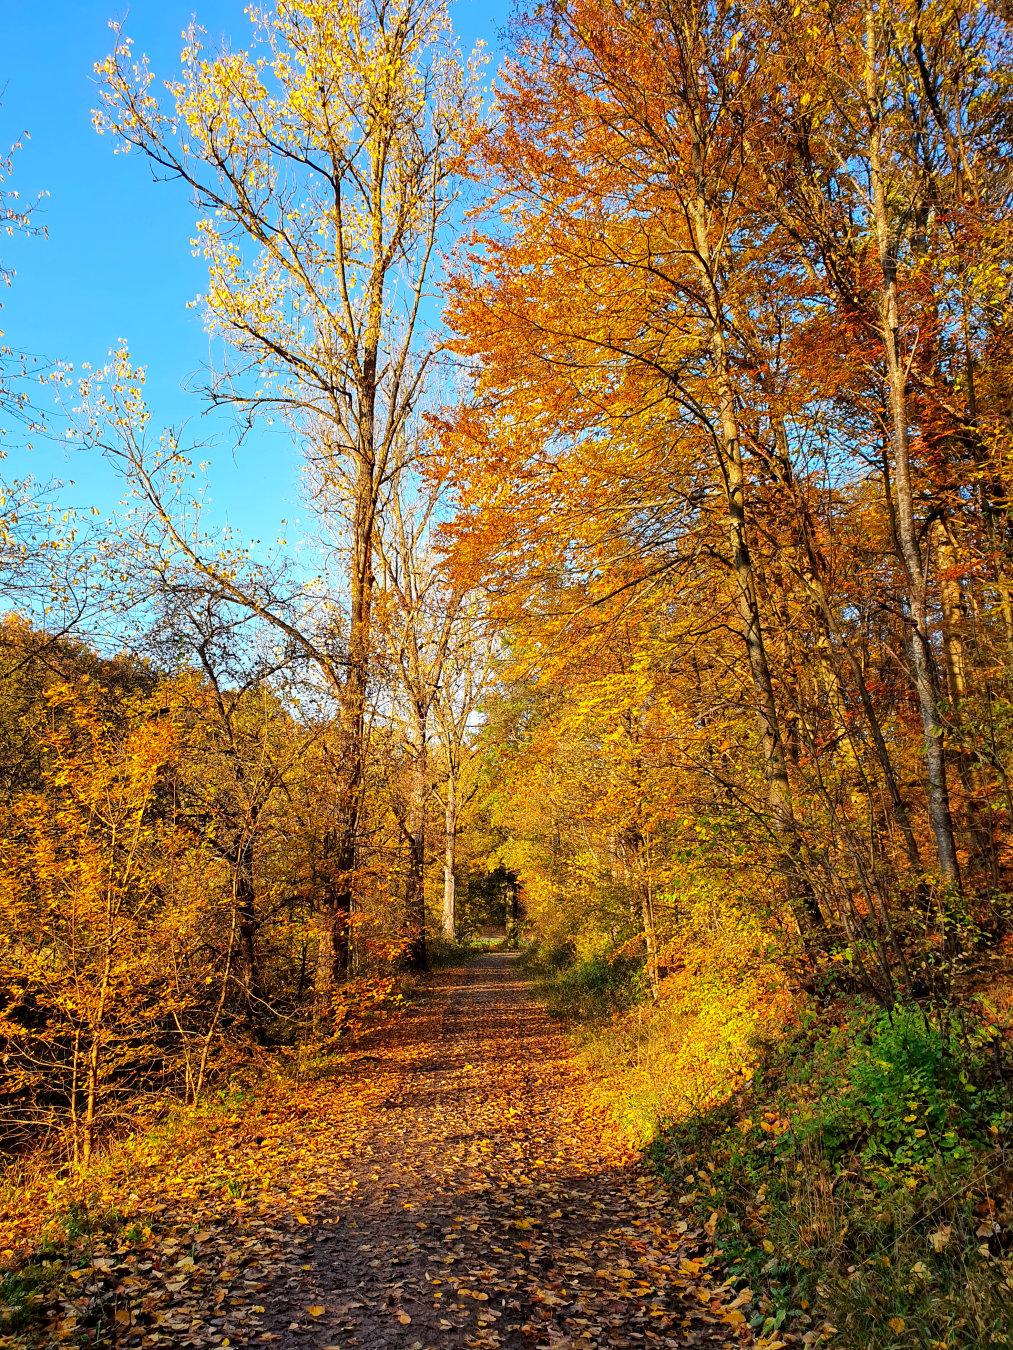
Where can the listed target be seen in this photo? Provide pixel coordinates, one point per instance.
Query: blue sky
(117, 261)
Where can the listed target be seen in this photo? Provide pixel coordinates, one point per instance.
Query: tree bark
(415, 892)
(779, 793)
(450, 859)
(334, 953)
(247, 925)
(810, 573)
(920, 639)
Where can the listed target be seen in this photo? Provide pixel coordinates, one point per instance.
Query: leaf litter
(453, 1183)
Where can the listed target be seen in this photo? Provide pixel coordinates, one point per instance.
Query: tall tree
(325, 159)
(423, 606)
(627, 263)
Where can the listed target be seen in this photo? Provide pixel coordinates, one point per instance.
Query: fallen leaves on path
(452, 1184)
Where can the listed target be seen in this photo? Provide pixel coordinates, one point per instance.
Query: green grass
(19, 1291)
(862, 1183)
(587, 991)
(443, 954)
(65, 1245)
(854, 1168)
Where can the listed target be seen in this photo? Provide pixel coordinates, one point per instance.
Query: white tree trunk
(449, 860)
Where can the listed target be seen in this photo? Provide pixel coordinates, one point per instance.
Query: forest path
(449, 1182)
(486, 1202)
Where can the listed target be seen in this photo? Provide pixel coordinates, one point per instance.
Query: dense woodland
(656, 409)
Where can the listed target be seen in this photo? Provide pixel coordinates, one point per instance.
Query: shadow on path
(488, 1203)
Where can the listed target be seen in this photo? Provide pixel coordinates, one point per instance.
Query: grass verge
(854, 1168)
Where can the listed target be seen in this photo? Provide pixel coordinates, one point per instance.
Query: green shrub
(862, 1182)
(587, 991)
(599, 987)
(442, 953)
(548, 959)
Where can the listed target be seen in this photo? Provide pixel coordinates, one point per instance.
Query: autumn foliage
(659, 600)
(731, 336)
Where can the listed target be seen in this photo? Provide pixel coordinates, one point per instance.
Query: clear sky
(117, 261)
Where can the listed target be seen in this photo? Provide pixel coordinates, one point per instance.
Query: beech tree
(422, 621)
(683, 401)
(468, 676)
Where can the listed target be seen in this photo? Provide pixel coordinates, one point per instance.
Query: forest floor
(452, 1183)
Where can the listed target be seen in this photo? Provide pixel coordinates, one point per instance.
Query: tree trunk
(810, 573)
(247, 924)
(512, 912)
(779, 793)
(920, 641)
(954, 609)
(341, 844)
(415, 892)
(650, 937)
(450, 859)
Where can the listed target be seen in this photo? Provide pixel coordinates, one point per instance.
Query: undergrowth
(443, 953)
(588, 990)
(63, 1251)
(854, 1168)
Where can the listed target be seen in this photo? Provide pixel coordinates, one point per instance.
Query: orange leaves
(89, 891)
(460, 1235)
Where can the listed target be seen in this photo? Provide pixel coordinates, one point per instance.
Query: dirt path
(488, 1204)
(451, 1185)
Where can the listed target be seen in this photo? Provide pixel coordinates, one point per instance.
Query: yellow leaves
(733, 42)
(939, 1238)
(336, 85)
(334, 1146)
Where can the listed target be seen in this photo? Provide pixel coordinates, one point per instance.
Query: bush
(442, 953)
(866, 1173)
(597, 988)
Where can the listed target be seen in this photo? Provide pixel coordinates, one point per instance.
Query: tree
(468, 675)
(86, 873)
(629, 257)
(245, 746)
(15, 218)
(325, 158)
(423, 609)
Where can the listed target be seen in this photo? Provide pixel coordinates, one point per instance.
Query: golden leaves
(277, 143)
(494, 1200)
